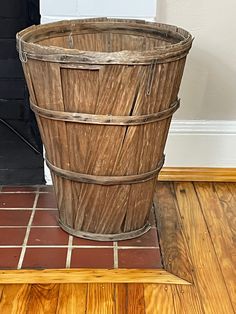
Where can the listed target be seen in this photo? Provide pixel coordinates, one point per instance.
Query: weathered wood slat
(105, 180)
(219, 213)
(177, 36)
(209, 278)
(90, 275)
(104, 91)
(174, 248)
(105, 119)
(198, 174)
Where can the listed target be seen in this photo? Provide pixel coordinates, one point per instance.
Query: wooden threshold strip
(27, 276)
(197, 174)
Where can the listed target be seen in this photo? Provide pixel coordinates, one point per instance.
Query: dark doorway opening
(21, 150)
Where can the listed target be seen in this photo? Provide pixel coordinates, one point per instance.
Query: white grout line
(22, 255)
(115, 255)
(92, 247)
(69, 251)
(10, 246)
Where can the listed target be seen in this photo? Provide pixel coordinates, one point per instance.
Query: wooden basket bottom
(105, 237)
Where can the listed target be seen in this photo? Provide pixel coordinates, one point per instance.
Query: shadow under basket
(104, 92)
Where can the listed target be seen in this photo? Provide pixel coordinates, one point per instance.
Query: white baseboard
(201, 143)
(197, 143)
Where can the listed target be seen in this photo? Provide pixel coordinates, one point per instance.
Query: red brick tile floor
(30, 237)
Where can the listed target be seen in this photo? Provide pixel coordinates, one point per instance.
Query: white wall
(52, 10)
(204, 132)
(209, 86)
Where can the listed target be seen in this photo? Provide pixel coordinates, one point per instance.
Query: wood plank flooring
(198, 233)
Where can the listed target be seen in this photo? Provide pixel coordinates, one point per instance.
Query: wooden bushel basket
(104, 91)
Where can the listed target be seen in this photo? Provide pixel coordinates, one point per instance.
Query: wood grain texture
(158, 299)
(197, 174)
(87, 118)
(174, 249)
(187, 300)
(72, 298)
(100, 299)
(209, 279)
(135, 295)
(106, 121)
(121, 292)
(14, 298)
(219, 212)
(87, 41)
(43, 298)
(90, 275)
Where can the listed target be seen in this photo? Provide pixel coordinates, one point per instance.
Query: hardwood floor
(197, 223)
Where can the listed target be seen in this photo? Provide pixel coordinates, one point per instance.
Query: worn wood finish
(127, 42)
(197, 174)
(90, 275)
(174, 248)
(104, 91)
(219, 213)
(105, 119)
(105, 180)
(208, 276)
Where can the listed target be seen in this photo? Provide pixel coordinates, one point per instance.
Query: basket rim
(27, 45)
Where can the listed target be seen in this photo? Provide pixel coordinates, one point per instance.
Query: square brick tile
(139, 258)
(45, 218)
(14, 200)
(19, 188)
(80, 241)
(12, 236)
(92, 258)
(9, 258)
(47, 236)
(149, 239)
(46, 200)
(14, 217)
(43, 258)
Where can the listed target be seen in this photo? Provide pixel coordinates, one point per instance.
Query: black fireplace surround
(21, 151)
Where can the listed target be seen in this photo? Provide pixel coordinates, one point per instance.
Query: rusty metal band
(105, 180)
(105, 119)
